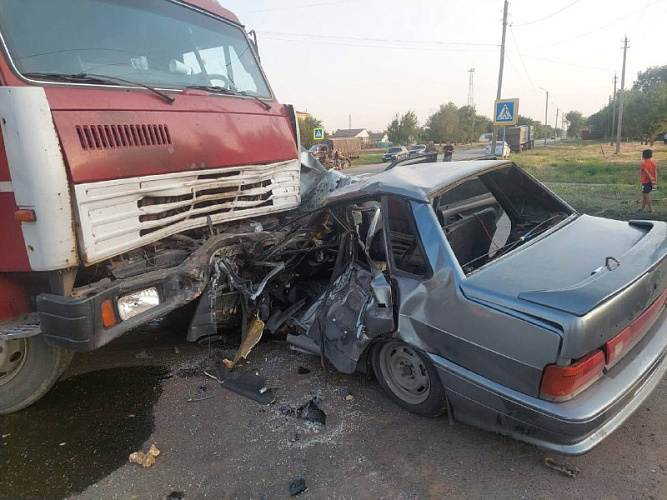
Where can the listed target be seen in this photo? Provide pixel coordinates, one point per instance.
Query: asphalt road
(374, 168)
(135, 392)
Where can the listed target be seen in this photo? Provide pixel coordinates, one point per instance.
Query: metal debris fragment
(297, 486)
(566, 470)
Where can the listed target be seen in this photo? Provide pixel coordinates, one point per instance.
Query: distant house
(303, 114)
(377, 138)
(361, 133)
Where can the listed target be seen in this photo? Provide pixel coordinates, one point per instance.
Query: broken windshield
(153, 42)
(491, 214)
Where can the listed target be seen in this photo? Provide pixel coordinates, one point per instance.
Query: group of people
(448, 151)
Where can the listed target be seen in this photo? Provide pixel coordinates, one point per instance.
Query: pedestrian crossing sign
(318, 133)
(506, 112)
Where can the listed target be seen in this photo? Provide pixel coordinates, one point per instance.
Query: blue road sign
(506, 112)
(318, 133)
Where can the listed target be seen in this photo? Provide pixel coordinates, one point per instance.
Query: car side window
(406, 249)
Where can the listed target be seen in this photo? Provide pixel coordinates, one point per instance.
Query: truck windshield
(154, 42)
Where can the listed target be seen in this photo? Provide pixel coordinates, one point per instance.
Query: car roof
(417, 182)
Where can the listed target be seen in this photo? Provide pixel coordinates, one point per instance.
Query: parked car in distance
(417, 149)
(485, 138)
(473, 290)
(395, 153)
(502, 149)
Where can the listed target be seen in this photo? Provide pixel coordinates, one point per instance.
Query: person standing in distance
(649, 178)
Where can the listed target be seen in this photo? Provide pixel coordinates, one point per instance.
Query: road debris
(349, 397)
(202, 398)
(566, 470)
(143, 355)
(145, 459)
(176, 495)
(310, 411)
(248, 384)
(253, 335)
(297, 486)
(302, 370)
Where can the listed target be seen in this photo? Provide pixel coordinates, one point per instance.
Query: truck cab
(136, 139)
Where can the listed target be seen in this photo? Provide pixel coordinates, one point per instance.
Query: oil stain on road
(81, 431)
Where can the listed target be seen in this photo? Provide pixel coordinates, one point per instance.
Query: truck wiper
(216, 89)
(94, 78)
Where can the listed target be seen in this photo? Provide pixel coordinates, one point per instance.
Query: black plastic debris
(302, 370)
(176, 495)
(312, 412)
(297, 486)
(246, 384)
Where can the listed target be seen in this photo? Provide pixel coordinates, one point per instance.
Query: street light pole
(546, 117)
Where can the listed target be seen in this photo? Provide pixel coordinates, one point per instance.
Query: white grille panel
(120, 215)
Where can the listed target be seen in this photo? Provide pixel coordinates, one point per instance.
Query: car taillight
(617, 347)
(560, 383)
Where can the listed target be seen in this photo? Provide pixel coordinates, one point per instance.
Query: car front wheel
(409, 378)
(28, 369)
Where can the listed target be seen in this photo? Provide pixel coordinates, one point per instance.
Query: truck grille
(122, 136)
(120, 215)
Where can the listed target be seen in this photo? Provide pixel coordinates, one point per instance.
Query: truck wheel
(28, 369)
(409, 378)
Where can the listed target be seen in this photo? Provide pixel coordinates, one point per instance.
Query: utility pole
(546, 117)
(613, 110)
(620, 106)
(556, 124)
(471, 101)
(500, 74)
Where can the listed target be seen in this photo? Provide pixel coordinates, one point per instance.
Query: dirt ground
(134, 392)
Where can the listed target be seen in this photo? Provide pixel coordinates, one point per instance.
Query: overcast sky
(373, 58)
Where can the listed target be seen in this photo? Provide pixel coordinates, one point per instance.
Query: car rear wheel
(409, 378)
(28, 369)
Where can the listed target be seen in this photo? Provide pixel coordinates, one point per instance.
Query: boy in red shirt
(649, 174)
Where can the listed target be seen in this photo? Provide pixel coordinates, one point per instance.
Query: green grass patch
(368, 158)
(587, 162)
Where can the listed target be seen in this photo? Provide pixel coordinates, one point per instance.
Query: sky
(371, 59)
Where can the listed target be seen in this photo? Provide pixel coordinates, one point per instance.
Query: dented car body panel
(466, 265)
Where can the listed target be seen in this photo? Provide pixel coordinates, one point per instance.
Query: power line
(568, 63)
(624, 18)
(549, 16)
(521, 58)
(323, 4)
(358, 45)
(366, 39)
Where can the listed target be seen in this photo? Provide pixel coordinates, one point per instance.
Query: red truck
(138, 140)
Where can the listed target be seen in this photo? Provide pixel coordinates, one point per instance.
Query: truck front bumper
(76, 323)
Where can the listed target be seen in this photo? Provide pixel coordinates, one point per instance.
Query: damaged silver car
(471, 290)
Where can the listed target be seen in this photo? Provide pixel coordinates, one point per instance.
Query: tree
(650, 77)
(402, 127)
(576, 121)
(443, 125)
(645, 112)
(306, 127)
(467, 124)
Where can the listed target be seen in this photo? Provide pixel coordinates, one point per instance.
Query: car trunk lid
(593, 277)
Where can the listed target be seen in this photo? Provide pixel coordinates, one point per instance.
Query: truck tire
(28, 369)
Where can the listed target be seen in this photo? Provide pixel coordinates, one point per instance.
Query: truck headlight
(137, 302)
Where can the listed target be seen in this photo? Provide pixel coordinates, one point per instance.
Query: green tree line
(644, 109)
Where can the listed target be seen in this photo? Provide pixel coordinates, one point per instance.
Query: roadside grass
(594, 180)
(368, 157)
